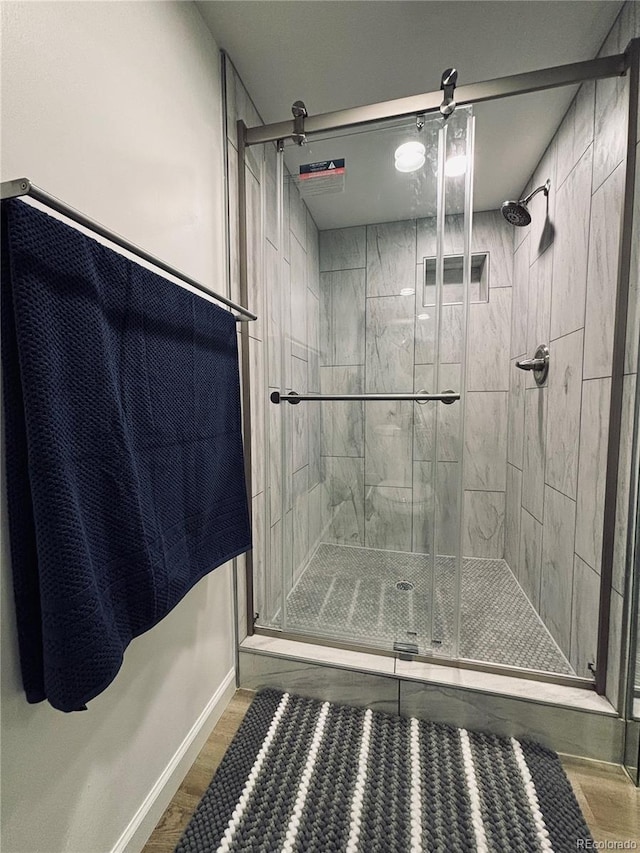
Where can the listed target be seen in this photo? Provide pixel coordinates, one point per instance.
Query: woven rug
(314, 777)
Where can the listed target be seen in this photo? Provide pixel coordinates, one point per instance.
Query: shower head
(516, 212)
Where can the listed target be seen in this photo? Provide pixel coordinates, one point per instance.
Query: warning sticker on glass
(325, 176)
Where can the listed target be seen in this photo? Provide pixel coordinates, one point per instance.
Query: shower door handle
(419, 397)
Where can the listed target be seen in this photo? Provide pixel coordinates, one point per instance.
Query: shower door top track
(474, 93)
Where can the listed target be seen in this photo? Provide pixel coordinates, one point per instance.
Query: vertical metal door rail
(617, 379)
(246, 363)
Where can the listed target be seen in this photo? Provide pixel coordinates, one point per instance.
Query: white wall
(116, 108)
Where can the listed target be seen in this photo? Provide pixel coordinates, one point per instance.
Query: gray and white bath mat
(316, 777)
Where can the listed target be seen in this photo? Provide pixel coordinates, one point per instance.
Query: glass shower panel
(371, 488)
(443, 247)
(266, 259)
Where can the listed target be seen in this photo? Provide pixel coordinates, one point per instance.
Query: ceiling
(334, 55)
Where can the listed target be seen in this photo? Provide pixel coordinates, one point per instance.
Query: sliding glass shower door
(370, 338)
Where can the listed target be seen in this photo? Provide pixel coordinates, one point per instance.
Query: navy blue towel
(125, 471)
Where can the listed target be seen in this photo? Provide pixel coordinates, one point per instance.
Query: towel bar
(23, 186)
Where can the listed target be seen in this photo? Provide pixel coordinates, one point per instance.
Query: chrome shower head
(516, 212)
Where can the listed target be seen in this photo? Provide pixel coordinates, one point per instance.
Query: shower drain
(404, 586)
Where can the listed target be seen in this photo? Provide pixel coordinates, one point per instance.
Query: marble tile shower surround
(372, 339)
(565, 267)
(284, 290)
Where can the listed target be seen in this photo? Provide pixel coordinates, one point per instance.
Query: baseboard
(146, 818)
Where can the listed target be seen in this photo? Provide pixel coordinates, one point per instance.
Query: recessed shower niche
(453, 282)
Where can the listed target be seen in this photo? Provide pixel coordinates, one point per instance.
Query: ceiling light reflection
(456, 166)
(409, 156)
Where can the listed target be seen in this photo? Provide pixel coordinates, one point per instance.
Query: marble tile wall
(570, 248)
(564, 398)
(284, 290)
(556, 576)
(565, 268)
(530, 556)
(299, 336)
(483, 531)
(512, 517)
(376, 336)
(535, 437)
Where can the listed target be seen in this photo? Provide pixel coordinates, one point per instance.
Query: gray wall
(138, 144)
(564, 285)
(378, 461)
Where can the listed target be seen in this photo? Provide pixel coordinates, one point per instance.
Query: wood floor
(608, 799)
(167, 833)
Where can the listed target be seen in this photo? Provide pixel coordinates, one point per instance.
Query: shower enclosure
(415, 493)
(379, 475)
(389, 514)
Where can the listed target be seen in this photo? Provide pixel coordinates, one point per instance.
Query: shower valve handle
(531, 364)
(539, 364)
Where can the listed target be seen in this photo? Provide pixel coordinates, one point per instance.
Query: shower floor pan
(381, 599)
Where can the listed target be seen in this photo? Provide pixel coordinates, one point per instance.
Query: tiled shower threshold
(415, 671)
(351, 605)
